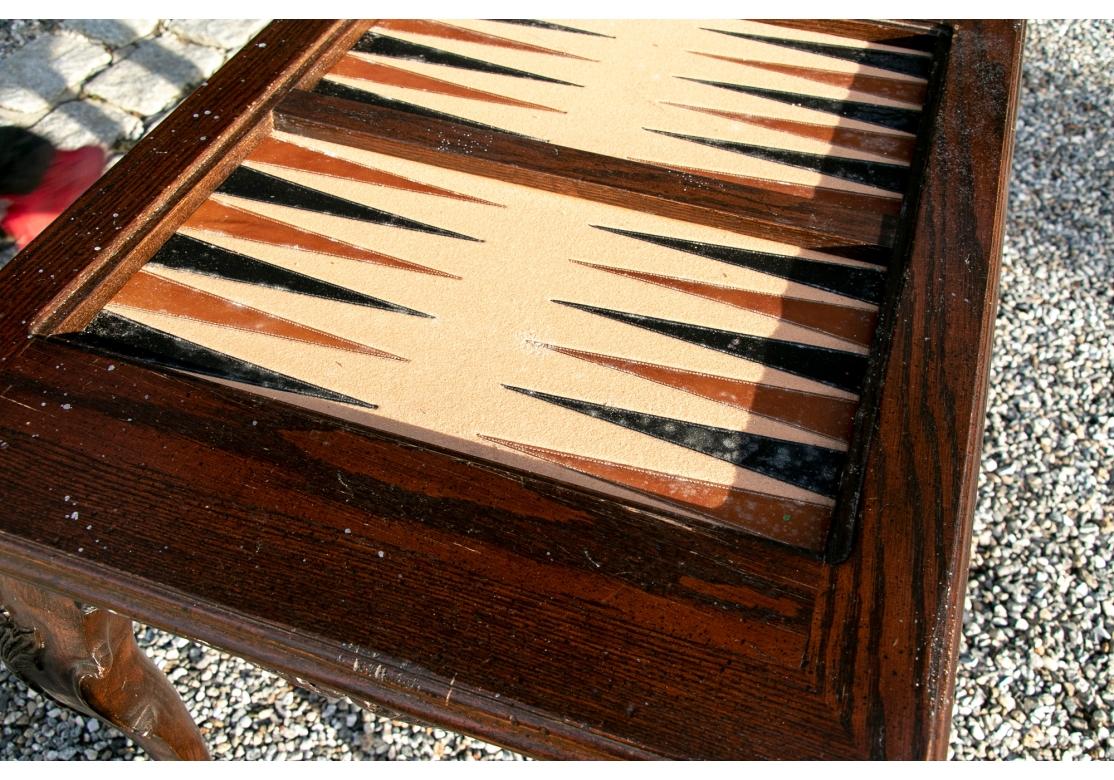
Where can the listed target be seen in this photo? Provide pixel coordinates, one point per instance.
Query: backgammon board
(649, 353)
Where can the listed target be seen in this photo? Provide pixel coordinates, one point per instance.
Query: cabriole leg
(87, 659)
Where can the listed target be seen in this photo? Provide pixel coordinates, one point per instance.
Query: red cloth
(69, 175)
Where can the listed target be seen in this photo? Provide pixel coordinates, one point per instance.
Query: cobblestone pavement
(106, 81)
(1036, 673)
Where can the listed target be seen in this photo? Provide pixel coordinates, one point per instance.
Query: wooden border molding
(548, 618)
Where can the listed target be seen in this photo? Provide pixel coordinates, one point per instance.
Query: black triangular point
(185, 253)
(263, 187)
(904, 119)
(909, 64)
(805, 465)
(832, 367)
(396, 48)
(552, 26)
(885, 176)
(127, 338)
(335, 89)
(863, 284)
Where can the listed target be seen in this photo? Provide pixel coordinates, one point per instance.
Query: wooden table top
(597, 388)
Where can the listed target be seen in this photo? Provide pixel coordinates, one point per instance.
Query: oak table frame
(493, 602)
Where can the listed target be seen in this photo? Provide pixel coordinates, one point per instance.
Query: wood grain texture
(889, 624)
(519, 578)
(484, 599)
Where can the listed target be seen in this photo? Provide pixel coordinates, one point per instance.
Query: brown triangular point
(877, 86)
(159, 295)
(288, 155)
(820, 414)
(844, 322)
(899, 148)
(799, 523)
(353, 67)
(216, 217)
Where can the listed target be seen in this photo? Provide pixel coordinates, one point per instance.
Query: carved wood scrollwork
(87, 659)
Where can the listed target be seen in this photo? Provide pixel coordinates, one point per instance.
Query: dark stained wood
(87, 659)
(517, 577)
(488, 600)
(891, 617)
(811, 222)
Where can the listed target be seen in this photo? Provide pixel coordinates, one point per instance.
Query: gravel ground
(1036, 674)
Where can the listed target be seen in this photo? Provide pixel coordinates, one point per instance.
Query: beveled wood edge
(847, 510)
(894, 691)
(946, 649)
(370, 679)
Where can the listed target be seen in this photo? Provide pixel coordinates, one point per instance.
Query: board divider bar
(806, 222)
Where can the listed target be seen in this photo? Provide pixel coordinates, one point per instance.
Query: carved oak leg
(87, 659)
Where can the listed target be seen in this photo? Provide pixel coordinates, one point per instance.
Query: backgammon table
(604, 389)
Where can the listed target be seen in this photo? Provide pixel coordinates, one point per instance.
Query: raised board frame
(607, 637)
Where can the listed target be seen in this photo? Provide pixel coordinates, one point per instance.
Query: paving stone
(85, 122)
(113, 32)
(225, 33)
(20, 119)
(17, 33)
(123, 52)
(47, 70)
(155, 75)
(7, 252)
